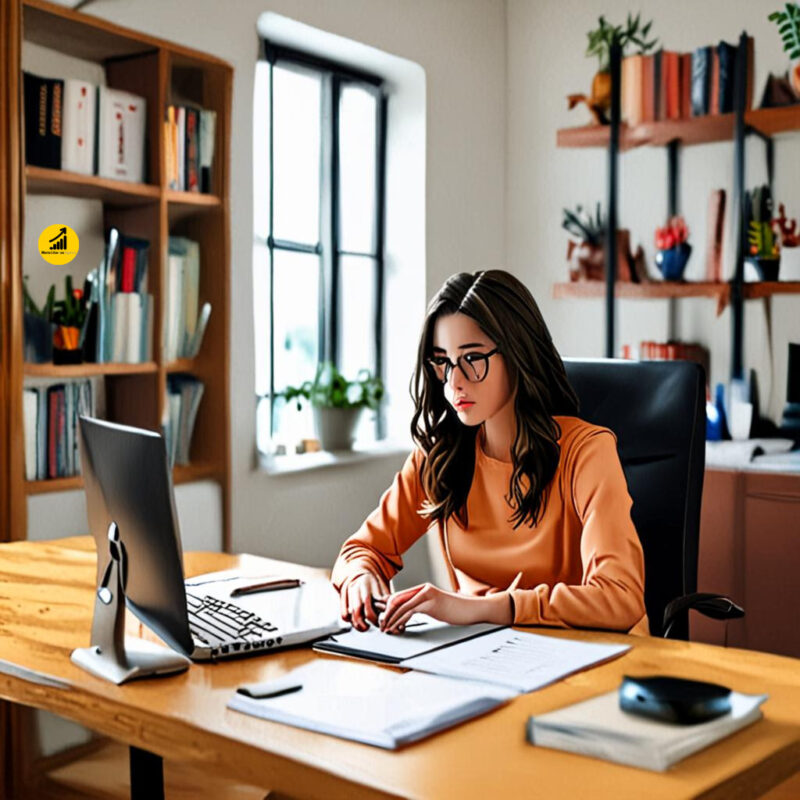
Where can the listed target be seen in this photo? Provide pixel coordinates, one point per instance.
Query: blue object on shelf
(672, 262)
(713, 423)
(719, 402)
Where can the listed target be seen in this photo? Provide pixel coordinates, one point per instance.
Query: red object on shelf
(128, 269)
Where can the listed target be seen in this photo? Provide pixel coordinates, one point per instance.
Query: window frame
(334, 77)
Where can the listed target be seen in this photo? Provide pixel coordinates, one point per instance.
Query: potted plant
(790, 245)
(38, 326)
(337, 403)
(68, 316)
(585, 256)
(764, 255)
(600, 40)
(788, 23)
(673, 248)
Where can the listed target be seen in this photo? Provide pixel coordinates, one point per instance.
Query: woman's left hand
(457, 609)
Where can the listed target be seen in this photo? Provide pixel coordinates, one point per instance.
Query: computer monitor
(132, 518)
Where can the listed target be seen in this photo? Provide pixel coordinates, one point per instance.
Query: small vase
(762, 268)
(66, 347)
(38, 339)
(336, 427)
(672, 262)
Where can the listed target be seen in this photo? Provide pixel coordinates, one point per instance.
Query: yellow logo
(58, 244)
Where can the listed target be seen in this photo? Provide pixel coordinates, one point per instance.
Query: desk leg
(147, 775)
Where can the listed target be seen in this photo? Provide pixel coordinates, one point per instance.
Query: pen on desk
(267, 586)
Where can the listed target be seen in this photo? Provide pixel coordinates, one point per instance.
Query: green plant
(46, 311)
(582, 225)
(331, 389)
(762, 240)
(69, 312)
(788, 23)
(600, 39)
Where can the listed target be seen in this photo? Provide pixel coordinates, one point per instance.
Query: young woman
(529, 502)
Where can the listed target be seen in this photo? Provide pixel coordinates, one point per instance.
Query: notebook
(598, 727)
(379, 707)
(423, 634)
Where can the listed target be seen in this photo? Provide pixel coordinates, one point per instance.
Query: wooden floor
(104, 775)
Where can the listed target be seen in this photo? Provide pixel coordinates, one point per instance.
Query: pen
(267, 586)
(513, 585)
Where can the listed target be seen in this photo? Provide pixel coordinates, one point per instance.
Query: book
(701, 74)
(658, 85)
(726, 60)
(632, 74)
(686, 85)
(671, 71)
(716, 230)
(598, 727)
(423, 634)
(121, 120)
(192, 150)
(78, 138)
(43, 112)
(379, 707)
(184, 393)
(30, 410)
(208, 124)
(713, 83)
(648, 88)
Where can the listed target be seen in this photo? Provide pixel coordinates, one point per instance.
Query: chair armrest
(716, 606)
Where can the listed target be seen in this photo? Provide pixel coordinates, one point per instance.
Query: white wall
(546, 41)
(461, 46)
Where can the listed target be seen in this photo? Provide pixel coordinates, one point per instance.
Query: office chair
(657, 411)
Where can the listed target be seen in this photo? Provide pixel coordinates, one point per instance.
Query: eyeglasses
(474, 366)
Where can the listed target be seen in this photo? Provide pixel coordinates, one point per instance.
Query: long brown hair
(507, 313)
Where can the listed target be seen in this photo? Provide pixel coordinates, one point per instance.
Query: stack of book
(185, 322)
(189, 146)
(94, 130)
(119, 320)
(50, 418)
(668, 85)
(184, 393)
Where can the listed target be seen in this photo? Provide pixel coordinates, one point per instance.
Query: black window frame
(339, 76)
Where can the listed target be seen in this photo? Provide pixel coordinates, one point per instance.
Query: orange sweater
(582, 565)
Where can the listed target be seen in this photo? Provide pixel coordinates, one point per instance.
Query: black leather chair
(657, 411)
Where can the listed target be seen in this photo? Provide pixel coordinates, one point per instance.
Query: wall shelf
(88, 370)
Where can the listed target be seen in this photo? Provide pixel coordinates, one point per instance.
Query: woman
(530, 502)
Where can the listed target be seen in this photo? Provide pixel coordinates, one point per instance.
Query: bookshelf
(673, 134)
(135, 394)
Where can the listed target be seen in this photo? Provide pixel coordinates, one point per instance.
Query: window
(319, 171)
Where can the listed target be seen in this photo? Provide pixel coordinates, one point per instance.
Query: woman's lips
(464, 404)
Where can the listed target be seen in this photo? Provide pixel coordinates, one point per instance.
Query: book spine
(35, 102)
(128, 269)
(52, 432)
(700, 81)
(55, 120)
(192, 151)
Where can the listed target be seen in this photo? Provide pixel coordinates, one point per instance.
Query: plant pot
(761, 268)
(790, 264)
(672, 262)
(601, 90)
(586, 261)
(38, 339)
(66, 347)
(336, 426)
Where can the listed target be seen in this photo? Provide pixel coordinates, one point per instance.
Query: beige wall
(546, 40)
(461, 46)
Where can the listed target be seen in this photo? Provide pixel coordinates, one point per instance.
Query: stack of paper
(368, 704)
(599, 727)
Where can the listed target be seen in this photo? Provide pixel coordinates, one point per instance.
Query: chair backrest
(657, 411)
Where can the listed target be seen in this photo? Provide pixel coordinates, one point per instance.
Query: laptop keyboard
(227, 628)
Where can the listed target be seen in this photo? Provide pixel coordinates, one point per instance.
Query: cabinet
(750, 550)
(135, 394)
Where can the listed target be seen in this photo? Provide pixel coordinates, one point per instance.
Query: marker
(267, 586)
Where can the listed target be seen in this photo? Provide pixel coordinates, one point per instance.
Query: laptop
(128, 484)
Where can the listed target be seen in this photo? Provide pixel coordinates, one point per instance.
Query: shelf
(180, 474)
(88, 370)
(40, 180)
(698, 130)
(194, 472)
(178, 198)
(182, 365)
(54, 485)
(674, 289)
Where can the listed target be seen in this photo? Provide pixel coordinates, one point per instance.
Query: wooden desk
(46, 600)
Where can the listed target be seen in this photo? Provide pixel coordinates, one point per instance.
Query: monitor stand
(114, 656)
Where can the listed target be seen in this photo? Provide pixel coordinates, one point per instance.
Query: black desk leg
(147, 775)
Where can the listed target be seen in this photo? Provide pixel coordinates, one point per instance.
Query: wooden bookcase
(135, 394)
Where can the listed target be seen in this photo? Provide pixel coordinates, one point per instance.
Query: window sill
(293, 463)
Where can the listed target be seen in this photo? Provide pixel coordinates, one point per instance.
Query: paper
(422, 634)
(514, 659)
(599, 727)
(372, 705)
(743, 453)
(32, 675)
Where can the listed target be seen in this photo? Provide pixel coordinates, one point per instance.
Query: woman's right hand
(356, 600)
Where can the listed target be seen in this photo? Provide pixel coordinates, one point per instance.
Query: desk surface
(46, 601)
